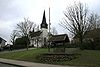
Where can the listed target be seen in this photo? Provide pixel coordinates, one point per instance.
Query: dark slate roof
(59, 38)
(2, 39)
(44, 24)
(95, 33)
(35, 34)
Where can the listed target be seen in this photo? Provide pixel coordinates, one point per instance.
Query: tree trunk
(64, 46)
(27, 42)
(37, 44)
(81, 39)
(27, 46)
(49, 47)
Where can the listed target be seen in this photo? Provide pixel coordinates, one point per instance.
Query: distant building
(59, 40)
(2, 42)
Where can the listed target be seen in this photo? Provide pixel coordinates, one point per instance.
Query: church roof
(35, 34)
(44, 24)
(59, 38)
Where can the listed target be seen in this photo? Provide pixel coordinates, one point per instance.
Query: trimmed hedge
(52, 58)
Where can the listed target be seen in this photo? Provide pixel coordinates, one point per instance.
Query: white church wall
(2, 44)
(44, 32)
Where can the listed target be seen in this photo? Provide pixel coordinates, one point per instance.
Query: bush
(90, 45)
(54, 58)
(21, 43)
(97, 47)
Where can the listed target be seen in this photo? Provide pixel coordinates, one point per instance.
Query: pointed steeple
(44, 24)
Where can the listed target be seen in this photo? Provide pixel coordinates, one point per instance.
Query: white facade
(44, 32)
(2, 44)
(36, 41)
(39, 38)
(44, 36)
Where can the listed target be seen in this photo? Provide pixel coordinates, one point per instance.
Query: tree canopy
(76, 20)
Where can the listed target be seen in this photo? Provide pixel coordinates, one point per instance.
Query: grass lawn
(90, 58)
(29, 55)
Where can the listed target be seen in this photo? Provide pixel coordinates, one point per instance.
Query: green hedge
(53, 58)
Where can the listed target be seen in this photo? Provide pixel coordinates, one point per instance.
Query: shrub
(21, 43)
(91, 45)
(54, 58)
(97, 47)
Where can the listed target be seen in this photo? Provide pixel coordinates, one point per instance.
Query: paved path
(16, 50)
(6, 65)
(29, 64)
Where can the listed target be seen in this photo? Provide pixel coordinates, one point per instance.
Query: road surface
(6, 65)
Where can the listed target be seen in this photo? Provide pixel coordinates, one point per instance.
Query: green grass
(29, 55)
(90, 58)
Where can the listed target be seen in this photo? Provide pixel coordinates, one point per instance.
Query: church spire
(44, 24)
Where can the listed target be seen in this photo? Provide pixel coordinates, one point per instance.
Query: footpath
(28, 64)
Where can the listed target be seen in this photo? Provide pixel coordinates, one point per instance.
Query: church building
(40, 37)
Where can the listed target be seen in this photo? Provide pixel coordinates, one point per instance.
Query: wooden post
(64, 46)
(49, 32)
(37, 43)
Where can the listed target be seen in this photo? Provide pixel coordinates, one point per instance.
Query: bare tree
(76, 20)
(13, 36)
(37, 28)
(53, 31)
(94, 20)
(24, 27)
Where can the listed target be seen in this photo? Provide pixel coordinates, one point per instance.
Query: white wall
(44, 32)
(2, 43)
(41, 38)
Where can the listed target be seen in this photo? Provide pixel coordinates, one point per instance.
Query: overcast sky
(13, 12)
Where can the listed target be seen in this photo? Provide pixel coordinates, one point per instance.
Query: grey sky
(13, 11)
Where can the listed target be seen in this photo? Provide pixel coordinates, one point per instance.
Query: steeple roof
(44, 24)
